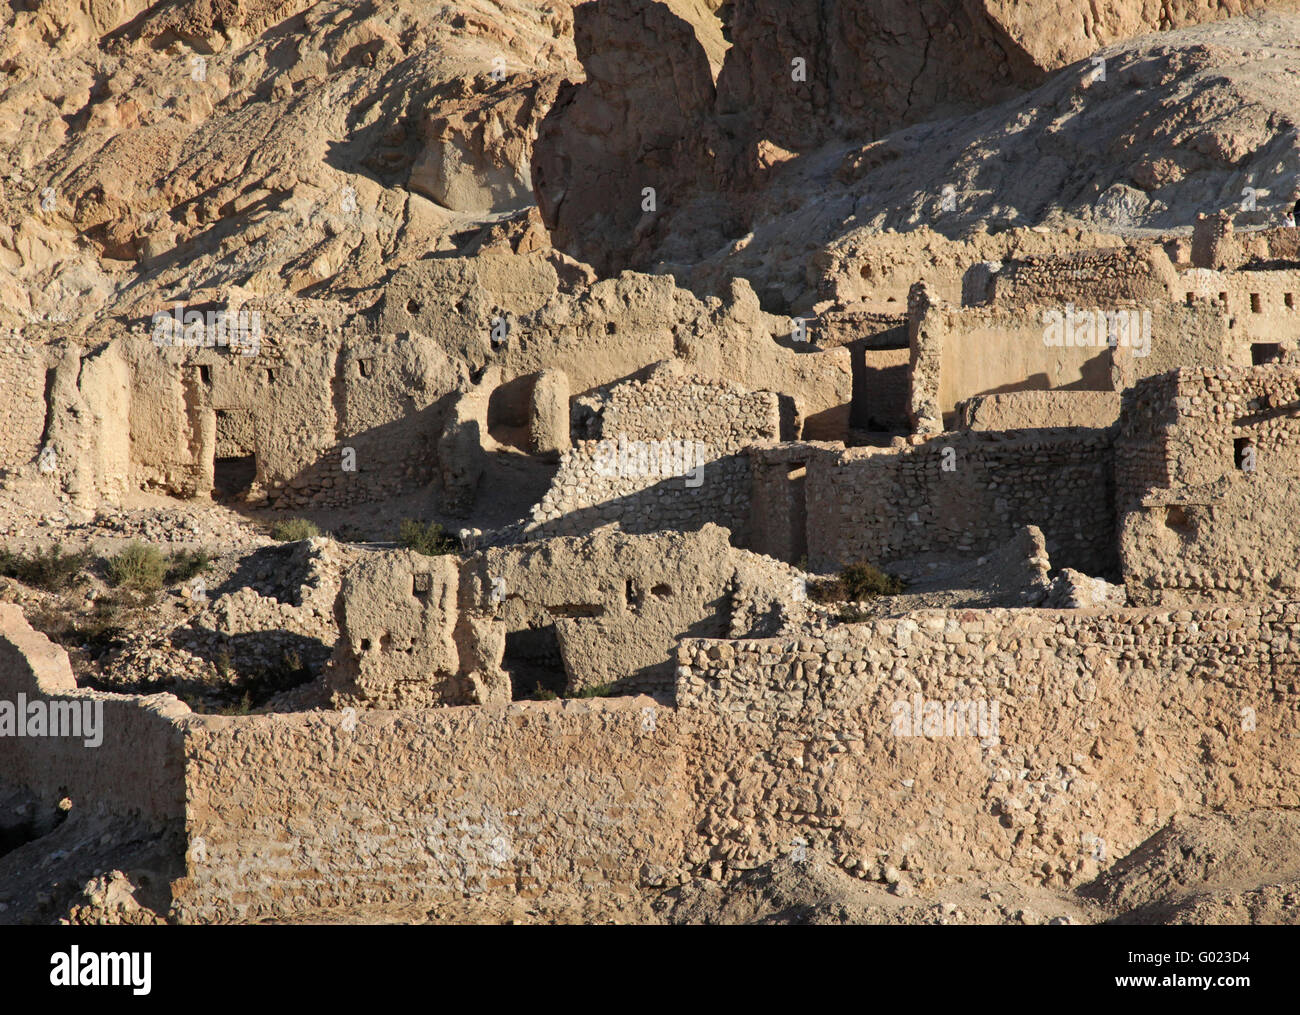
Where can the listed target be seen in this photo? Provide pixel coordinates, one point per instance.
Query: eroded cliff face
(273, 147)
(828, 118)
(634, 124)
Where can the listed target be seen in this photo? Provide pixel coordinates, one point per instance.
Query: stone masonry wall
(1108, 724)
(1090, 277)
(404, 810)
(966, 493)
(1208, 475)
(655, 434)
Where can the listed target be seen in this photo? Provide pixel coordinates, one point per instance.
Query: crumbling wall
(391, 395)
(485, 316)
(345, 419)
(302, 816)
(1262, 306)
(1106, 345)
(1105, 720)
(669, 457)
(866, 265)
(397, 615)
(133, 771)
(1207, 473)
(618, 603)
(1098, 278)
(964, 493)
(1103, 723)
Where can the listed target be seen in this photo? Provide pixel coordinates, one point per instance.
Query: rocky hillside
(1145, 134)
(213, 149)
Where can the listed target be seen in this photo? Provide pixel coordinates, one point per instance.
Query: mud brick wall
(392, 399)
(296, 406)
(1263, 305)
(1108, 725)
(135, 771)
(404, 810)
(961, 353)
(1020, 410)
(882, 505)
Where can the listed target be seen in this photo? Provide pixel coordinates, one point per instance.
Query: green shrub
(866, 581)
(138, 566)
(51, 569)
(597, 691)
(185, 564)
(427, 538)
(544, 694)
(243, 707)
(293, 529)
(856, 583)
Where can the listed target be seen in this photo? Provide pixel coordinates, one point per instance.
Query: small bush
(543, 694)
(244, 707)
(51, 569)
(597, 691)
(866, 581)
(293, 529)
(856, 583)
(185, 564)
(94, 633)
(139, 567)
(429, 538)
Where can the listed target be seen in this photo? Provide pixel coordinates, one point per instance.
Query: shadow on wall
(548, 648)
(721, 498)
(387, 460)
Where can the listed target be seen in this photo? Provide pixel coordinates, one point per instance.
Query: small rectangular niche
(1243, 453)
(1265, 352)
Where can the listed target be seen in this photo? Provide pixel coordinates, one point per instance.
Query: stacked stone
(1084, 700)
(721, 416)
(1085, 278)
(709, 419)
(967, 493)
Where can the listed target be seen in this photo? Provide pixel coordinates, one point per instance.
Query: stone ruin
(1076, 450)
